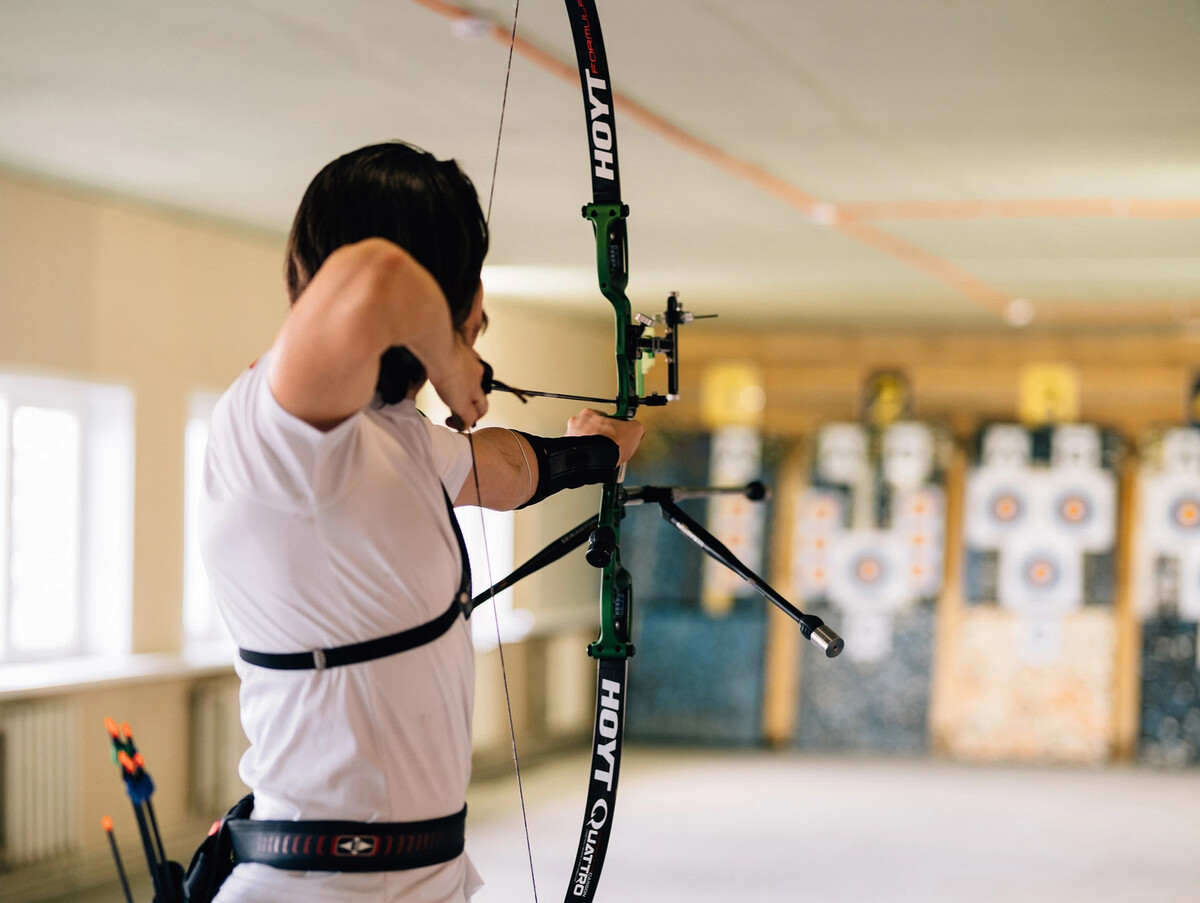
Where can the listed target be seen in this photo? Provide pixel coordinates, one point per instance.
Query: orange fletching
(106, 823)
(111, 726)
(126, 730)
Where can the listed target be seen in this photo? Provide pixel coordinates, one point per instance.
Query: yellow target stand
(1048, 394)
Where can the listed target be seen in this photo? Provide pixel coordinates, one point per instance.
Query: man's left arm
(516, 469)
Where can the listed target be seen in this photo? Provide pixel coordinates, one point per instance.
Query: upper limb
(366, 298)
(508, 468)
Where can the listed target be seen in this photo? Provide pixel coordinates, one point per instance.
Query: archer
(334, 556)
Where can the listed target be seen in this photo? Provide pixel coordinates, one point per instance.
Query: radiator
(217, 746)
(39, 761)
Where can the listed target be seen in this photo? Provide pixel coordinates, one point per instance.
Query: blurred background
(953, 251)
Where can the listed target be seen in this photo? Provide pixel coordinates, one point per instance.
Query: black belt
(348, 846)
(365, 651)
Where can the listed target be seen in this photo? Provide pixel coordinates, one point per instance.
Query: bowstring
(487, 560)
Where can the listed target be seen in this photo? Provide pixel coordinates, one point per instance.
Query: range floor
(719, 827)
(762, 827)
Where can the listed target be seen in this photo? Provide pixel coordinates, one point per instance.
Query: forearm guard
(571, 462)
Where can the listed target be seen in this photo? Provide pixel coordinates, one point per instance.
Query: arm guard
(571, 462)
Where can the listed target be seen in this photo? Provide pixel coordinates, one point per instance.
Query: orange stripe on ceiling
(1027, 208)
(830, 215)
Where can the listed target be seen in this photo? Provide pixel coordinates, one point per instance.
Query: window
(201, 620)
(66, 517)
(491, 561)
(499, 527)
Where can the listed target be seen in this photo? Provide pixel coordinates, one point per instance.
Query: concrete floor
(756, 826)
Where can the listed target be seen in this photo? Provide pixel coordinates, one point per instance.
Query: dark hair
(406, 195)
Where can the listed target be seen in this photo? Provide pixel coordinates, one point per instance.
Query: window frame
(102, 603)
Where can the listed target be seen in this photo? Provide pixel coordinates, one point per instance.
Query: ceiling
(926, 163)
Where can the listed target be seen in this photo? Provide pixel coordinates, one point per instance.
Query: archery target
(1083, 506)
(1185, 514)
(999, 505)
(921, 508)
(925, 573)
(868, 571)
(1169, 542)
(818, 524)
(1171, 511)
(1006, 445)
(868, 635)
(736, 455)
(919, 523)
(1041, 575)
(1075, 445)
(1189, 588)
(907, 454)
(1181, 450)
(822, 512)
(842, 453)
(736, 459)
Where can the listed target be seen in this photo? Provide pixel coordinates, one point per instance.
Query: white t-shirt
(316, 539)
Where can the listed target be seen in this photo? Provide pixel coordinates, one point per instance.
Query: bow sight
(648, 347)
(641, 351)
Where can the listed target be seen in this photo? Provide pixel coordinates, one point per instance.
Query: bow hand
(626, 433)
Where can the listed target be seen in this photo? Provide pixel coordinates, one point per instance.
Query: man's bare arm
(508, 467)
(364, 299)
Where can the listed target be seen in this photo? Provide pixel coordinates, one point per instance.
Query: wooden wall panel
(1129, 380)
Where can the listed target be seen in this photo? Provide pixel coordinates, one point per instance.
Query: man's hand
(626, 433)
(460, 385)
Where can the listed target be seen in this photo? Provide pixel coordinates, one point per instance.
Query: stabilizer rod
(572, 539)
(811, 626)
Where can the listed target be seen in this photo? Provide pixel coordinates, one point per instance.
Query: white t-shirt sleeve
(451, 456)
(258, 448)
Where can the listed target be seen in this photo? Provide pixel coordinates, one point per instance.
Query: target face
(868, 572)
(1075, 509)
(1189, 588)
(1084, 507)
(842, 453)
(1185, 513)
(818, 527)
(869, 569)
(1000, 503)
(1041, 572)
(1006, 507)
(1170, 528)
(1041, 575)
